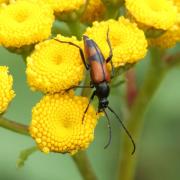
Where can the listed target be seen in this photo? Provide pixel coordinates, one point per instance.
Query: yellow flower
(128, 42)
(6, 92)
(168, 39)
(94, 11)
(4, 1)
(54, 66)
(24, 23)
(57, 123)
(171, 36)
(177, 4)
(160, 14)
(64, 5)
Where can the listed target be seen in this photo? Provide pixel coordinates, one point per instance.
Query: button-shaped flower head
(24, 23)
(168, 39)
(57, 123)
(94, 11)
(177, 4)
(64, 5)
(159, 14)
(3, 1)
(128, 42)
(171, 36)
(6, 92)
(54, 66)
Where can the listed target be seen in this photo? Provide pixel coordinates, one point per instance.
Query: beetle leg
(109, 58)
(91, 98)
(80, 51)
(73, 87)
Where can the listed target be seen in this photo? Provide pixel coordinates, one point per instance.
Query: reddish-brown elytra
(96, 60)
(100, 78)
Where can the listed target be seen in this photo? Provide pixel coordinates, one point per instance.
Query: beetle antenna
(127, 132)
(109, 127)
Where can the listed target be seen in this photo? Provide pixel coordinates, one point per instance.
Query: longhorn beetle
(100, 78)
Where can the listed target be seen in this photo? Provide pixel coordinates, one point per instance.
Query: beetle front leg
(109, 58)
(80, 51)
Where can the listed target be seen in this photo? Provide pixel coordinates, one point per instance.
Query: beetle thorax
(102, 92)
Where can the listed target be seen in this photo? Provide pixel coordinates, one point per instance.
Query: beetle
(100, 78)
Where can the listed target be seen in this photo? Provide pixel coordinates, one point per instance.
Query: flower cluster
(57, 123)
(172, 35)
(95, 10)
(4, 1)
(6, 92)
(128, 42)
(64, 6)
(159, 14)
(20, 26)
(55, 65)
(159, 19)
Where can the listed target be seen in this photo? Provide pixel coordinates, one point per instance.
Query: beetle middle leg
(80, 50)
(73, 87)
(91, 98)
(109, 58)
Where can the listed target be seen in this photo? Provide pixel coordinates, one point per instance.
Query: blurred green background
(159, 147)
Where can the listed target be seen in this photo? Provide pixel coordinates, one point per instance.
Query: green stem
(24, 155)
(154, 77)
(112, 8)
(60, 28)
(84, 166)
(80, 159)
(77, 28)
(14, 126)
(112, 12)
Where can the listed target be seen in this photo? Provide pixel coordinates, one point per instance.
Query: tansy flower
(6, 92)
(128, 42)
(24, 23)
(168, 39)
(64, 5)
(54, 66)
(171, 36)
(94, 11)
(177, 4)
(57, 123)
(159, 14)
(4, 1)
